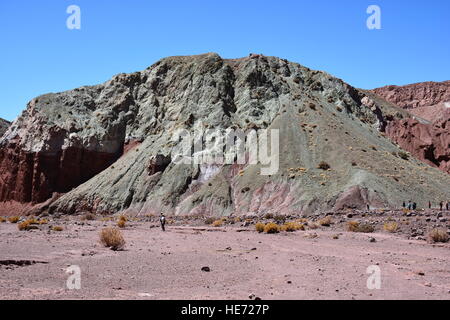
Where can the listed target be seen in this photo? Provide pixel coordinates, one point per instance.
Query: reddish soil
(310, 264)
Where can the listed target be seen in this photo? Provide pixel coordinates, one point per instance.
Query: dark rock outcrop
(4, 126)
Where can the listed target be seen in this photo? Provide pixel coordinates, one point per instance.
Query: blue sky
(39, 54)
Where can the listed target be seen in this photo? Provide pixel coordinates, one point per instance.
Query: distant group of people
(413, 206)
(410, 206)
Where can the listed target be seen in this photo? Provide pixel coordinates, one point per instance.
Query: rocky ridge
(108, 148)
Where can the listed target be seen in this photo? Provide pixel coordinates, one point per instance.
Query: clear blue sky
(39, 54)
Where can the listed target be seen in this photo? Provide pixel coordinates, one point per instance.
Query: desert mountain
(427, 135)
(3, 126)
(427, 100)
(108, 148)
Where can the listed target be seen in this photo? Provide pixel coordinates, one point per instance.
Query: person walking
(429, 204)
(441, 204)
(162, 220)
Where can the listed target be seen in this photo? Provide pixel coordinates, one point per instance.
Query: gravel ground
(309, 264)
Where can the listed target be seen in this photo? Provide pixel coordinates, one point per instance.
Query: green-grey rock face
(113, 143)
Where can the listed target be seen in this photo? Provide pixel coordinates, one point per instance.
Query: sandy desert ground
(326, 263)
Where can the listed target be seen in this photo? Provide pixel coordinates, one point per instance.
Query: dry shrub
(323, 165)
(260, 227)
(57, 228)
(2, 220)
(354, 226)
(217, 223)
(271, 228)
(326, 222)
(112, 238)
(33, 221)
(121, 224)
(24, 226)
(43, 221)
(210, 220)
(438, 235)
(292, 226)
(403, 155)
(14, 219)
(88, 217)
(268, 216)
(391, 226)
(279, 218)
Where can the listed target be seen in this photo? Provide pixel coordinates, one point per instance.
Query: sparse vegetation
(2, 220)
(112, 238)
(57, 228)
(217, 223)
(268, 216)
(24, 225)
(323, 165)
(272, 228)
(354, 226)
(122, 222)
(260, 227)
(279, 218)
(292, 226)
(438, 235)
(391, 226)
(326, 222)
(14, 219)
(88, 217)
(403, 155)
(209, 220)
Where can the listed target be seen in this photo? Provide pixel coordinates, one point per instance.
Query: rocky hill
(427, 140)
(426, 100)
(109, 148)
(3, 126)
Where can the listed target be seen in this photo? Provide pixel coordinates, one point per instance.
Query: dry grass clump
(210, 220)
(121, 223)
(57, 228)
(2, 220)
(271, 228)
(14, 219)
(217, 223)
(43, 221)
(88, 217)
(112, 238)
(260, 227)
(438, 235)
(326, 222)
(323, 165)
(24, 226)
(354, 226)
(403, 155)
(391, 226)
(292, 226)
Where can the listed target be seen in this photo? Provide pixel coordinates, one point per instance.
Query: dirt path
(157, 265)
